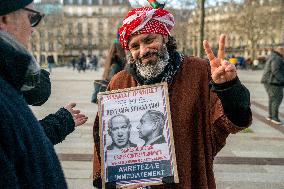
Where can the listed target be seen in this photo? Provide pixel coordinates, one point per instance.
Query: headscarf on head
(145, 20)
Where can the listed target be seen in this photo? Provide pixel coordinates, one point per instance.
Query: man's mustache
(148, 54)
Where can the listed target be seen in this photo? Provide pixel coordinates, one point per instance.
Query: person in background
(73, 62)
(82, 63)
(50, 62)
(233, 60)
(115, 61)
(94, 63)
(273, 81)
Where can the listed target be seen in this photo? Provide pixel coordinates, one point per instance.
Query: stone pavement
(248, 161)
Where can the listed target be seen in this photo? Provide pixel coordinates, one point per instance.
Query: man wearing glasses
(27, 156)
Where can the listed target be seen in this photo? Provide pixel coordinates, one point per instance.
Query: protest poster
(136, 138)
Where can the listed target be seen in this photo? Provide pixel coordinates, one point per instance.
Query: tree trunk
(201, 28)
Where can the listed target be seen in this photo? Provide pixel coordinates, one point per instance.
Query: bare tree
(255, 22)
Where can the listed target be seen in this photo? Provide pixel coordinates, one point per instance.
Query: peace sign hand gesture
(221, 70)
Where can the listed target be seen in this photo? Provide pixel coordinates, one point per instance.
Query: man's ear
(3, 22)
(155, 126)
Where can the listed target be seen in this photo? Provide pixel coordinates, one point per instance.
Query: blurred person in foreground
(207, 100)
(273, 80)
(27, 156)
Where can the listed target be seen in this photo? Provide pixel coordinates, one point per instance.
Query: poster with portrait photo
(136, 136)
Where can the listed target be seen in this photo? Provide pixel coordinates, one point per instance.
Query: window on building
(69, 41)
(33, 46)
(70, 28)
(42, 58)
(80, 2)
(41, 34)
(50, 35)
(50, 46)
(79, 41)
(90, 41)
(80, 28)
(42, 46)
(90, 27)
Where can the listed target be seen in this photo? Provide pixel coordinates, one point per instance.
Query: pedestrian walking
(82, 63)
(94, 63)
(50, 62)
(73, 62)
(273, 81)
(208, 101)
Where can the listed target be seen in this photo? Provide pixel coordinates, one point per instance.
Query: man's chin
(122, 145)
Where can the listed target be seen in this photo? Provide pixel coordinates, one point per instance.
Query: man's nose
(120, 132)
(143, 50)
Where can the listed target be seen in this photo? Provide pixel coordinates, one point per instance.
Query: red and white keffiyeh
(145, 20)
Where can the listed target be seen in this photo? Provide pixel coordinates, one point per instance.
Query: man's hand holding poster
(137, 143)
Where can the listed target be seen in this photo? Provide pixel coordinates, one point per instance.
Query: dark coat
(27, 157)
(57, 126)
(274, 70)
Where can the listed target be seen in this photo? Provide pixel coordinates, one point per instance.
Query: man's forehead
(146, 117)
(119, 119)
(138, 37)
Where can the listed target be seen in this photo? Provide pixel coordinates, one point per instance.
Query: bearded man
(208, 101)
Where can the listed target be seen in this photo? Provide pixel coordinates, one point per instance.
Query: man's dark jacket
(27, 157)
(274, 70)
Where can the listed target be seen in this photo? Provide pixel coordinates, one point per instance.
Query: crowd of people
(84, 63)
(208, 101)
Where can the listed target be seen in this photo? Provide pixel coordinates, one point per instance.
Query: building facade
(253, 27)
(77, 26)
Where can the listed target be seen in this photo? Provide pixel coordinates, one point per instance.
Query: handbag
(99, 86)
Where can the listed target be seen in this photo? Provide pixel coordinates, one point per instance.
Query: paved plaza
(251, 160)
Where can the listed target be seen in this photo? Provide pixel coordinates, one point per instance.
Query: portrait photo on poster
(136, 136)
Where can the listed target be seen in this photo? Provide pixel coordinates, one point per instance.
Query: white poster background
(134, 103)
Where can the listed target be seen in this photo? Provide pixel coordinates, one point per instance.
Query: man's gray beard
(152, 69)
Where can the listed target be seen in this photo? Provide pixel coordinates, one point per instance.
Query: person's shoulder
(121, 80)
(120, 75)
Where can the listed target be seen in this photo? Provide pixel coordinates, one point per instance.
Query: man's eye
(134, 47)
(149, 40)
